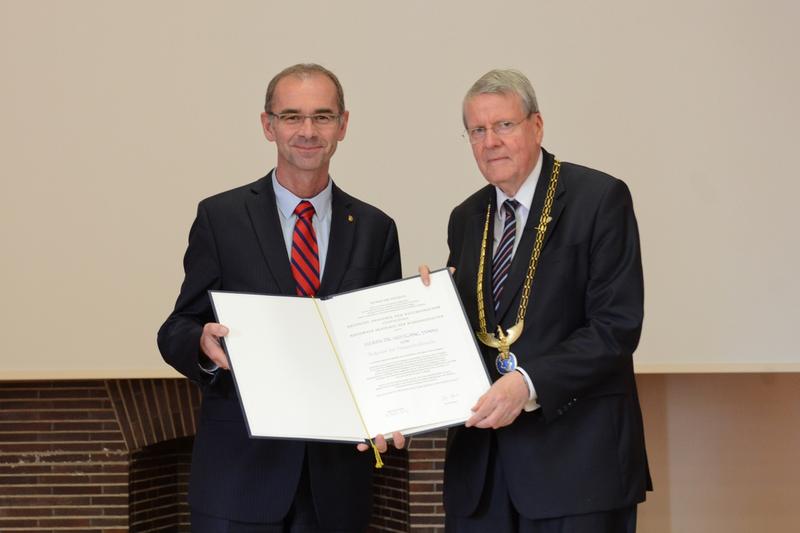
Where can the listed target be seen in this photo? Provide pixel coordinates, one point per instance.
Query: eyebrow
(324, 110)
(491, 124)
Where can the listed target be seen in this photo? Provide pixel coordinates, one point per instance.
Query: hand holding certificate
(394, 357)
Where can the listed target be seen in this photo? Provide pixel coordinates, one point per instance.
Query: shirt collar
(525, 193)
(287, 201)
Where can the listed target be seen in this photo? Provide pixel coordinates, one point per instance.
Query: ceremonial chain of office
(503, 341)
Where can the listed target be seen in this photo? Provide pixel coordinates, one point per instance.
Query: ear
(343, 125)
(266, 125)
(539, 125)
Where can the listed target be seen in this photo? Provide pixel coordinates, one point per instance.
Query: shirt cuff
(207, 365)
(532, 403)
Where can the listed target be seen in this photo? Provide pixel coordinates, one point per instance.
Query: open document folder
(393, 357)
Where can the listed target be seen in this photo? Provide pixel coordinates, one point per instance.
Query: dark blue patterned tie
(501, 264)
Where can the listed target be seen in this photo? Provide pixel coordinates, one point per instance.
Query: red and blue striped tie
(305, 255)
(501, 264)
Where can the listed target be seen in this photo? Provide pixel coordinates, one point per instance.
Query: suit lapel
(340, 243)
(522, 257)
(266, 222)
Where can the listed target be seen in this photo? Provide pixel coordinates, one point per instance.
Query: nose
(491, 139)
(307, 128)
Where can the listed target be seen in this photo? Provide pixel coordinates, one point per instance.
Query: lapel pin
(350, 218)
(549, 220)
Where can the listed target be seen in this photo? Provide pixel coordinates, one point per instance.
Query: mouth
(307, 149)
(492, 160)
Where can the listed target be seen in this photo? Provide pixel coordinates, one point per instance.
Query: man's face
(504, 160)
(304, 147)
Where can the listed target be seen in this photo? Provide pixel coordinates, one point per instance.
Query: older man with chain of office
(547, 263)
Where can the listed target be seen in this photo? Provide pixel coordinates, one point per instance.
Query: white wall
(118, 117)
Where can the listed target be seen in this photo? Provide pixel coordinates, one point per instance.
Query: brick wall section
(154, 410)
(65, 448)
(408, 490)
(425, 482)
(390, 494)
(158, 418)
(68, 450)
(159, 482)
(63, 459)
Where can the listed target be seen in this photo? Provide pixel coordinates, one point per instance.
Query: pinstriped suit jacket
(236, 244)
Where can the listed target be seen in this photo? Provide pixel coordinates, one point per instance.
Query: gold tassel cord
(378, 460)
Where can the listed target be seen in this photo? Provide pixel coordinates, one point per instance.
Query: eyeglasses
(295, 120)
(503, 127)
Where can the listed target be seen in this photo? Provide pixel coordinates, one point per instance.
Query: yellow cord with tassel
(378, 460)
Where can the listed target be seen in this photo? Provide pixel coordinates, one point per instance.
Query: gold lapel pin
(549, 220)
(350, 218)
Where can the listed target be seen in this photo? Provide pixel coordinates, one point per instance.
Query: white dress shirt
(525, 198)
(287, 201)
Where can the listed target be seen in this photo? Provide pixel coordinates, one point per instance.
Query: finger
(425, 274)
(398, 440)
(481, 413)
(500, 418)
(213, 349)
(452, 270)
(362, 447)
(222, 362)
(214, 352)
(475, 412)
(210, 343)
(491, 417)
(486, 423)
(479, 403)
(480, 421)
(380, 443)
(217, 330)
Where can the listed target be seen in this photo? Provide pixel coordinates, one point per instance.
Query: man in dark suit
(292, 232)
(556, 444)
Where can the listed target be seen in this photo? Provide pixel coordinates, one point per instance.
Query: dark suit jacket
(583, 451)
(236, 244)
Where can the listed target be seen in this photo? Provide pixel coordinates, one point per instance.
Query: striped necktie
(501, 264)
(305, 255)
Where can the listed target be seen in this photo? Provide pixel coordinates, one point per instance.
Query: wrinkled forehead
(487, 108)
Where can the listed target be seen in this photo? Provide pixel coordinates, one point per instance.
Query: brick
(32, 447)
(51, 490)
(433, 476)
(429, 498)
(7, 523)
(433, 454)
(54, 404)
(24, 512)
(30, 501)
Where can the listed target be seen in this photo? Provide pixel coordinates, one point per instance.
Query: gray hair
(504, 81)
(304, 70)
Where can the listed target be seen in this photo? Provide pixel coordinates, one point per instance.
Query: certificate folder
(394, 357)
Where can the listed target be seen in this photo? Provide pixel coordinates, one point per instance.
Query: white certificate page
(289, 381)
(409, 354)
